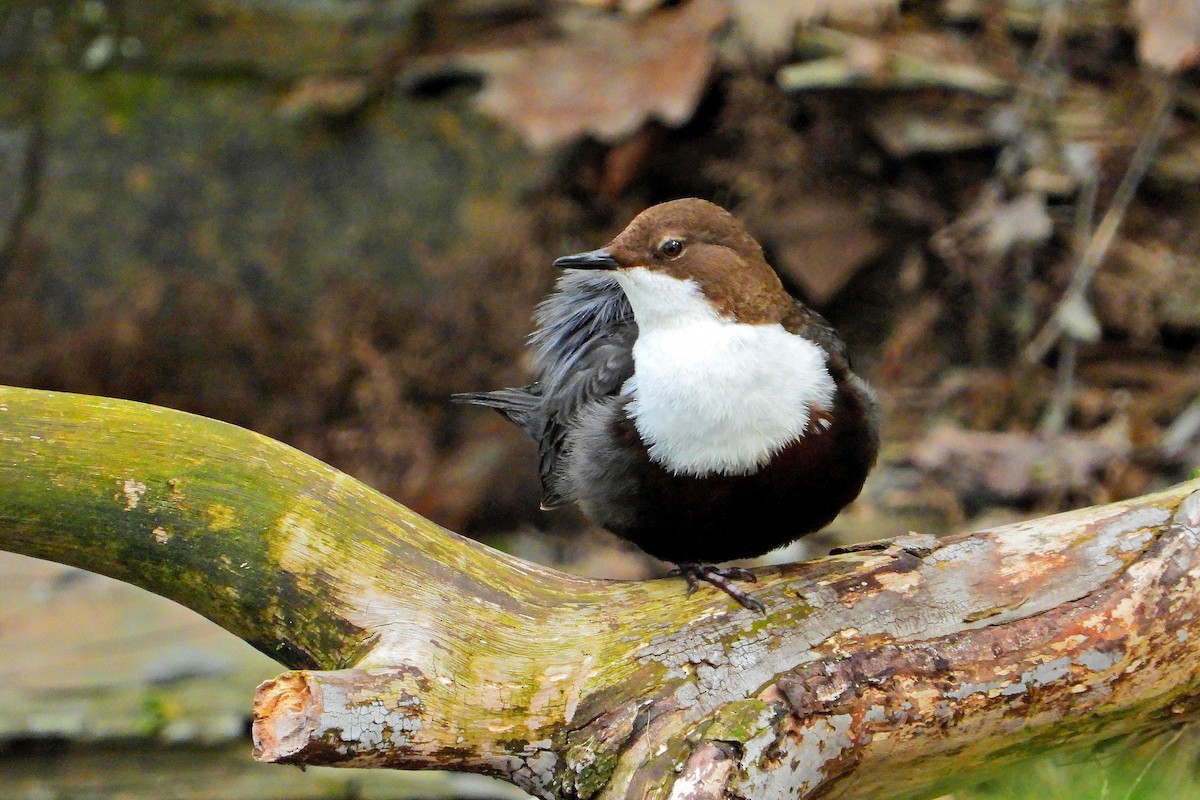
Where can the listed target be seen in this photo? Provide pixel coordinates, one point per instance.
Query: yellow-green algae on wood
(740, 721)
(184, 506)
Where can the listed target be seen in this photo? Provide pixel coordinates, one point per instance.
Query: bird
(684, 400)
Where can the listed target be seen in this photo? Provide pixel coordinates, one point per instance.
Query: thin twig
(1034, 89)
(1055, 418)
(1094, 254)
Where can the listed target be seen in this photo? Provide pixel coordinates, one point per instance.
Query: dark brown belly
(722, 517)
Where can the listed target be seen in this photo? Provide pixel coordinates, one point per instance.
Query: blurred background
(319, 218)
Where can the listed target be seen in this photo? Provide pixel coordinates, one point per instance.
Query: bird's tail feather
(520, 406)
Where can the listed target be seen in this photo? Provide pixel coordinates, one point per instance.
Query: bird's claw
(739, 574)
(720, 577)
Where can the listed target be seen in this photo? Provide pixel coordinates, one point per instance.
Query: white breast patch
(712, 395)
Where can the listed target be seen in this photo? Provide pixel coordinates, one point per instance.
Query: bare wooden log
(875, 673)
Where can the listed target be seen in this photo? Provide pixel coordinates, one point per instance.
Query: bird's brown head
(699, 242)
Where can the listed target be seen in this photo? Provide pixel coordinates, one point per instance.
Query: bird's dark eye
(671, 248)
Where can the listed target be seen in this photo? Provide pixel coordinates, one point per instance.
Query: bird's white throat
(711, 395)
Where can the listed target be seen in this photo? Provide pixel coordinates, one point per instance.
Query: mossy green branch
(274, 545)
(186, 507)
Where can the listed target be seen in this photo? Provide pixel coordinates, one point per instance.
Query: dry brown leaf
(819, 241)
(1168, 32)
(606, 78)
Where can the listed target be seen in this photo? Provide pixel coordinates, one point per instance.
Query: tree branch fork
(883, 671)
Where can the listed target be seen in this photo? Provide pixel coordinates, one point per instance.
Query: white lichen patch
(1098, 660)
(1041, 675)
(687, 786)
(1135, 542)
(1048, 672)
(687, 694)
(132, 492)
(797, 764)
(875, 714)
(989, 689)
(1188, 514)
(1131, 522)
(536, 774)
(373, 726)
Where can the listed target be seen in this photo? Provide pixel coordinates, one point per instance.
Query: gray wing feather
(582, 352)
(584, 312)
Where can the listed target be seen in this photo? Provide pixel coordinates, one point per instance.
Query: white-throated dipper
(686, 402)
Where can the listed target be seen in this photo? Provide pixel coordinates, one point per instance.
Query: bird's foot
(720, 577)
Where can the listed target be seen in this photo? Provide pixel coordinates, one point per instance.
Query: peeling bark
(878, 672)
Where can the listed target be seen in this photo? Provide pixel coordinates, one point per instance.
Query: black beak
(593, 259)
